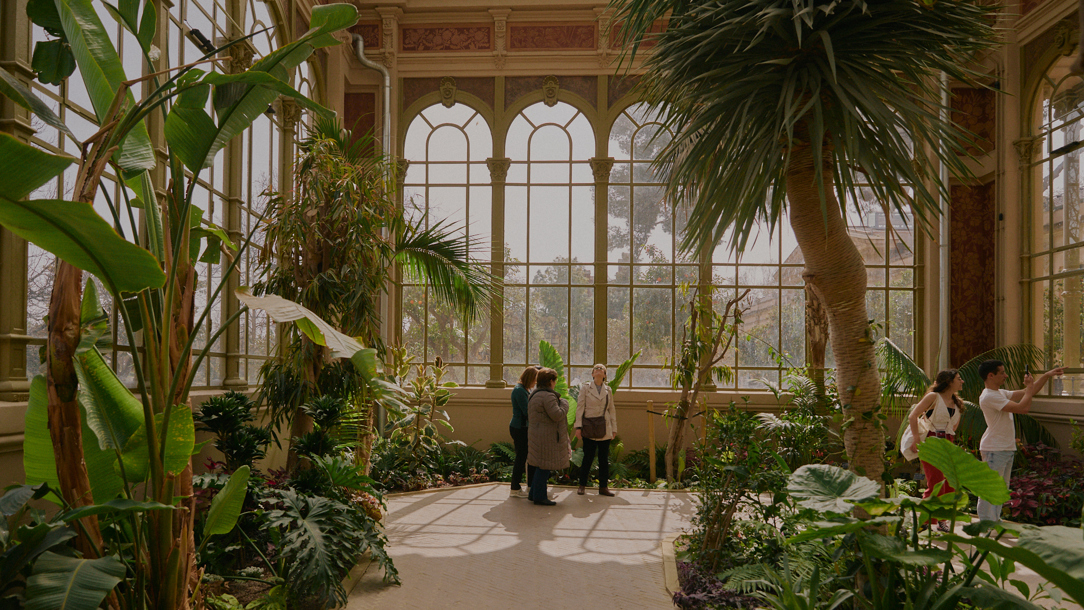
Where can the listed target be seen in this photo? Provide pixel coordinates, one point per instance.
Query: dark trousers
(590, 447)
(538, 485)
(519, 439)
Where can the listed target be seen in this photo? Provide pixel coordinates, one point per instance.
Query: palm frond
(443, 259)
(740, 83)
(901, 376)
(1015, 357)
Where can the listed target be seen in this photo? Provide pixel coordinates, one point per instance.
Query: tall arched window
(448, 182)
(645, 269)
(1057, 237)
(549, 239)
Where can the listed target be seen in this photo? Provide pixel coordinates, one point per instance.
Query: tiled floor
(477, 548)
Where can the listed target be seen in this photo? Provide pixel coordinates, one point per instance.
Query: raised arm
(1021, 399)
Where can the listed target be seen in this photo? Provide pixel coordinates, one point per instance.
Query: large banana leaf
(549, 357)
(1057, 570)
(67, 583)
(35, 167)
(316, 329)
(177, 453)
(103, 73)
(963, 471)
(39, 462)
(15, 91)
(240, 99)
(112, 412)
(74, 232)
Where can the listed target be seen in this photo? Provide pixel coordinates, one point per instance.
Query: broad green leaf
(103, 73)
(226, 505)
(120, 506)
(366, 362)
(830, 529)
(623, 370)
(39, 461)
(1073, 587)
(74, 232)
(67, 583)
(15, 91)
(33, 541)
(830, 489)
(180, 440)
(963, 471)
(317, 330)
(240, 99)
(14, 499)
(992, 597)
(35, 167)
(112, 412)
(43, 13)
(890, 548)
(52, 61)
(1061, 547)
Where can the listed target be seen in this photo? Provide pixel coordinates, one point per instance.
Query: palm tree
(332, 245)
(787, 106)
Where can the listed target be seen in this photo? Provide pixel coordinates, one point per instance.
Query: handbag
(908, 437)
(595, 427)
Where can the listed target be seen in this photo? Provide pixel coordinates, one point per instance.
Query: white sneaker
(517, 493)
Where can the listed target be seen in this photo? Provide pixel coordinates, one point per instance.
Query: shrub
(1048, 489)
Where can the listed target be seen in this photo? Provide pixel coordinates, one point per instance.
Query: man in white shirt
(998, 444)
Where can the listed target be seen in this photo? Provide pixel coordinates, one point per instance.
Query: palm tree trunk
(836, 272)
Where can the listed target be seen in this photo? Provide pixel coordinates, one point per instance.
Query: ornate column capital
(238, 57)
(498, 169)
(401, 166)
(600, 167)
(289, 112)
(1026, 149)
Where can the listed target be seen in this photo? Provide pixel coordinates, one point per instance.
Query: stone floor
(475, 547)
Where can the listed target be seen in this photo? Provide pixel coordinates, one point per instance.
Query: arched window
(549, 239)
(1057, 237)
(645, 269)
(448, 182)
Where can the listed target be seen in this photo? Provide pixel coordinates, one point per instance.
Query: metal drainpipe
(385, 149)
(943, 247)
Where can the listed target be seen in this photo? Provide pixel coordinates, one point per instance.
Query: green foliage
(69, 583)
(226, 505)
(830, 489)
(227, 416)
(963, 471)
(846, 79)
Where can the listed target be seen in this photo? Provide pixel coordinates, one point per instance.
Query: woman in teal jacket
(518, 429)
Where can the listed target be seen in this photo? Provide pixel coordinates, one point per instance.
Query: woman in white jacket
(596, 405)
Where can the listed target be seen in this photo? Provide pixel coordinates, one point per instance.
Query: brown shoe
(602, 491)
(579, 492)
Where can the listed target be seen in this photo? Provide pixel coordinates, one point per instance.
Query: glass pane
(515, 324)
(617, 324)
(653, 310)
(581, 323)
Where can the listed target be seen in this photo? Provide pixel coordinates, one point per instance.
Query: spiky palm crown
(744, 82)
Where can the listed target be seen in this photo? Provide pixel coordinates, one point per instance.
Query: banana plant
(105, 441)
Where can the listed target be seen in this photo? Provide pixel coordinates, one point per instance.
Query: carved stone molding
(498, 169)
(447, 91)
(431, 38)
(1065, 36)
(289, 112)
(604, 20)
(389, 25)
(550, 87)
(500, 36)
(1026, 149)
(600, 167)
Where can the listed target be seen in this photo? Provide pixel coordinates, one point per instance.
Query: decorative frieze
(447, 38)
(539, 37)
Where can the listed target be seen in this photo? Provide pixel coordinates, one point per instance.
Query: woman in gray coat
(548, 448)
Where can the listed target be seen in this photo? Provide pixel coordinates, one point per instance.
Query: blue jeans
(1001, 462)
(538, 485)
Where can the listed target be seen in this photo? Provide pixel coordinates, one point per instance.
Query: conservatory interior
(272, 270)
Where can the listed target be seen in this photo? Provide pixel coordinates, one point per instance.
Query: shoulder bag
(595, 427)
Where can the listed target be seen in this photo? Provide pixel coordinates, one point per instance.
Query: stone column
(600, 167)
(239, 59)
(15, 56)
(498, 173)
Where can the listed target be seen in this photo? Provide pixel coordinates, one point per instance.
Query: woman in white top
(596, 403)
(941, 407)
